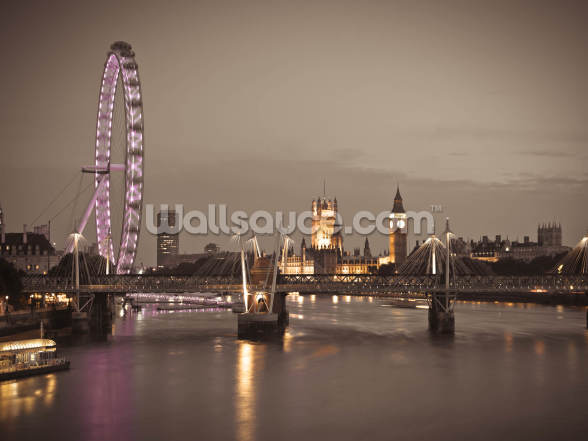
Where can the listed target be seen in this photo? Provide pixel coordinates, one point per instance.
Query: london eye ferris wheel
(120, 70)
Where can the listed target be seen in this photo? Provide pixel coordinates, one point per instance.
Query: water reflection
(17, 398)
(540, 348)
(250, 365)
(508, 341)
(287, 341)
(329, 376)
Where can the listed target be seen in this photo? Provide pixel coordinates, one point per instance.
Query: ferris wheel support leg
(87, 213)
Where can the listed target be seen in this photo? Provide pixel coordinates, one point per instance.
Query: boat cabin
(23, 353)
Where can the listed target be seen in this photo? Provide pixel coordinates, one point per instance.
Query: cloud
(554, 154)
(346, 154)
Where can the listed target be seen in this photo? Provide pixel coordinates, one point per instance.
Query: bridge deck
(339, 284)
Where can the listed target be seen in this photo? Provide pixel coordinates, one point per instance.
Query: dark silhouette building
(28, 252)
(549, 235)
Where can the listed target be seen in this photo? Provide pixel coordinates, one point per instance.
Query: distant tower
(366, 249)
(398, 242)
(168, 244)
(324, 225)
(549, 235)
(303, 250)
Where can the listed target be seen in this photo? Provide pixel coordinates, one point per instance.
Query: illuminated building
(325, 230)
(398, 232)
(326, 254)
(168, 243)
(298, 264)
(326, 240)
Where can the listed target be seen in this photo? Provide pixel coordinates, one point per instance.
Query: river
(347, 368)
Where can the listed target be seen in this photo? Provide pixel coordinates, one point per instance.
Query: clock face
(401, 223)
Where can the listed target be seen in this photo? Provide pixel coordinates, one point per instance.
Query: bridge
(357, 284)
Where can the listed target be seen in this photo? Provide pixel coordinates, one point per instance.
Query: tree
(387, 269)
(10, 283)
(513, 267)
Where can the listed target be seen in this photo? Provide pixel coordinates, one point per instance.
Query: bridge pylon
(265, 310)
(260, 321)
(79, 315)
(441, 315)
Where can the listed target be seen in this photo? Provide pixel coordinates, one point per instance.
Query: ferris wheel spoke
(88, 212)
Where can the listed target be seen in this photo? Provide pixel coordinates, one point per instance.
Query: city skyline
(294, 220)
(469, 107)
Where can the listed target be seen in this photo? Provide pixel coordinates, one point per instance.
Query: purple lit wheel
(120, 60)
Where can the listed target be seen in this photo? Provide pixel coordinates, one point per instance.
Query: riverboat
(23, 358)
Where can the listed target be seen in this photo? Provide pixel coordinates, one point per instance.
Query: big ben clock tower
(398, 243)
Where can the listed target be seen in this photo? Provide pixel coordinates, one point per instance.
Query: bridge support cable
(55, 199)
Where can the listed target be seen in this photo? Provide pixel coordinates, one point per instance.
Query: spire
(398, 206)
(366, 249)
(447, 229)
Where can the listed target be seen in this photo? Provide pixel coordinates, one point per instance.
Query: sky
(477, 106)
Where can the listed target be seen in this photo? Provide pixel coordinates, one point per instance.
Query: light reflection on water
(245, 392)
(22, 397)
(346, 368)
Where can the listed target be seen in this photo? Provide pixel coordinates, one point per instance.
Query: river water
(348, 368)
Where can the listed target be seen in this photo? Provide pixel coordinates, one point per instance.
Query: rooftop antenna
(324, 188)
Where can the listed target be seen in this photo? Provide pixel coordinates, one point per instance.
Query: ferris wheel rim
(120, 62)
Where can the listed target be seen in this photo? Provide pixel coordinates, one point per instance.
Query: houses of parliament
(326, 254)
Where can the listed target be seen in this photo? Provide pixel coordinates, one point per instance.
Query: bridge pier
(258, 323)
(102, 312)
(441, 316)
(95, 318)
(80, 323)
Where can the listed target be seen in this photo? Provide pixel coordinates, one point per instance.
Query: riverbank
(28, 322)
